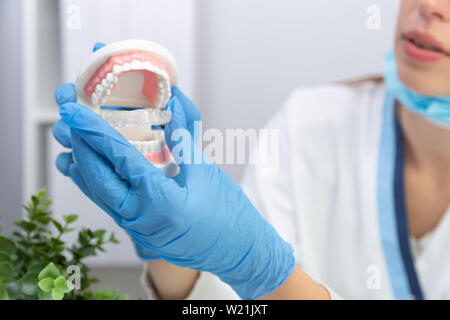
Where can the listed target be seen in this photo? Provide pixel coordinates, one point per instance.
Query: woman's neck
(427, 171)
(427, 146)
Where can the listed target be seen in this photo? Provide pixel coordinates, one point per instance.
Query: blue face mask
(435, 109)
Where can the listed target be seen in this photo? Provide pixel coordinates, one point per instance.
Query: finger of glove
(191, 112)
(98, 46)
(108, 143)
(63, 162)
(151, 189)
(142, 252)
(179, 139)
(66, 93)
(61, 132)
(99, 176)
(177, 136)
(71, 169)
(75, 175)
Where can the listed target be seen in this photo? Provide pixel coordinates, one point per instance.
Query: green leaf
(4, 257)
(7, 246)
(99, 233)
(3, 293)
(18, 235)
(41, 193)
(42, 295)
(37, 267)
(46, 284)
(44, 219)
(6, 272)
(27, 226)
(58, 226)
(50, 271)
(67, 230)
(35, 201)
(113, 239)
(28, 284)
(57, 242)
(70, 218)
(88, 251)
(94, 280)
(57, 294)
(83, 238)
(46, 204)
(63, 285)
(40, 250)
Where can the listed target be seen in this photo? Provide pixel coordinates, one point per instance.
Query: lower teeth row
(149, 146)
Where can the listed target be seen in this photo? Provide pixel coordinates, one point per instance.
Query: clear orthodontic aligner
(138, 117)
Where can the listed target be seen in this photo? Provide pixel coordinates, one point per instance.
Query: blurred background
(238, 60)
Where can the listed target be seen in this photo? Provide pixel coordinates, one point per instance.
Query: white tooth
(110, 77)
(94, 96)
(126, 67)
(147, 65)
(167, 84)
(136, 65)
(158, 146)
(103, 100)
(157, 106)
(105, 83)
(158, 117)
(115, 79)
(117, 70)
(108, 92)
(151, 147)
(165, 75)
(99, 89)
(139, 146)
(160, 84)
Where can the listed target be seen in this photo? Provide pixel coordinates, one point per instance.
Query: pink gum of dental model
(157, 157)
(150, 87)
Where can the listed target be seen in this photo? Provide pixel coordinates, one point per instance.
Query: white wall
(11, 127)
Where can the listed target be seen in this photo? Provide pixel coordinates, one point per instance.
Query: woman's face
(422, 46)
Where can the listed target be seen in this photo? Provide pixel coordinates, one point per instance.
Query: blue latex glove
(204, 221)
(64, 94)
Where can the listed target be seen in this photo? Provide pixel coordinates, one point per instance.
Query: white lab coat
(333, 200)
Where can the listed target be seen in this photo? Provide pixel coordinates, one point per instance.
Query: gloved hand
(64, 94)
(204, 221)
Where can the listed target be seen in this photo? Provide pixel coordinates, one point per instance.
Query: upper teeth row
(103, 89)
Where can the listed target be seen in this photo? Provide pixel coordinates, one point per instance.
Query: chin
(428, 80)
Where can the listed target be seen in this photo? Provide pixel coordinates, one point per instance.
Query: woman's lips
(422, 47)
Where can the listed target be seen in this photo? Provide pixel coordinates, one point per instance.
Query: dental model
(129, 84)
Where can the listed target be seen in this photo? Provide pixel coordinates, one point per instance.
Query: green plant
(34, 261)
